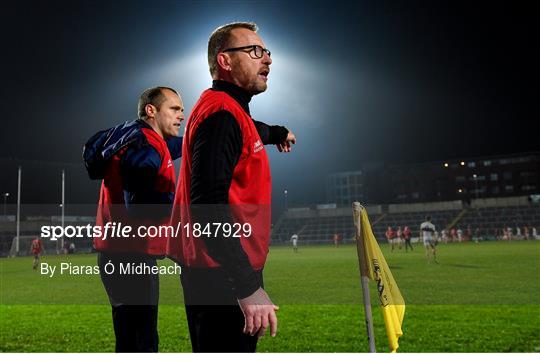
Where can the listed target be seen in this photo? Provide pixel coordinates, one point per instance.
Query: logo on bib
(257, 146)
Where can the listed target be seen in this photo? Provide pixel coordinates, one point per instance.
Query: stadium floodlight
(475, 177)
(460, 190)
(462, 163)
(446, 164)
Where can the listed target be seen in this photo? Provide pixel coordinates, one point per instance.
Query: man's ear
(224, 61)
(150, 110)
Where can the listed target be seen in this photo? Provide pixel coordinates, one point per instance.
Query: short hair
(220, 38)
(153, 96)
(428, 218)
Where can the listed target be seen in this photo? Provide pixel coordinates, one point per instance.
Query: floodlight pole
(364, 280)
(476, 191)
(17, 242)
(63, 206)
(5, 195)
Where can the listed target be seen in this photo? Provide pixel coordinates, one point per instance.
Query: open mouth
(264, 73)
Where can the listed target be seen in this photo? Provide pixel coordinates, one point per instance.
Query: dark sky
(358, 81)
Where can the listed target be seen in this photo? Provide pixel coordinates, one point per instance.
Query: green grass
(481, 297)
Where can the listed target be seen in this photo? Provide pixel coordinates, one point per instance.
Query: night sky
(362, 81)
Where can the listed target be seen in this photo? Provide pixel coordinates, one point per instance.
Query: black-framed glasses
(255, 51)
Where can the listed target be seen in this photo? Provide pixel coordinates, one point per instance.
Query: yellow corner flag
(392, 303)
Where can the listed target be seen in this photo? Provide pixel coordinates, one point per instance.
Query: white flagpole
(363, 275)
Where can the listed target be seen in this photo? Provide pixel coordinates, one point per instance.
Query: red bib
(249, 193)
(111, 206)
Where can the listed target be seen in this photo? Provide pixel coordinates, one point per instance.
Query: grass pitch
(481, 297)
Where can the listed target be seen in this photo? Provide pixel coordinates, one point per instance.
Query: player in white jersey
(427, 230)
(294, 240)
(444, 236)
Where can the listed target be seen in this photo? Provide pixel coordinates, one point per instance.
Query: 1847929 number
(218, 229)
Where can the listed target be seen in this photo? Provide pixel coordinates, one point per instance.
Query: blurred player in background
(294, 240)
(453, 234)
(36, 247)
(336, 238)
(399, 236)
(390, 237)
(407, 238)
(427, 231)
(477, 237)
(505, 234)
(444, 236)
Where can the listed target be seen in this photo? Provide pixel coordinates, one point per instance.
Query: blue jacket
(140, 160)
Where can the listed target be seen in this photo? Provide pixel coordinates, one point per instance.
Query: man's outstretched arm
(275, 134)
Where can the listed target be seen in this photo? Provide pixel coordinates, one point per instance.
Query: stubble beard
(258, 87)
(253, 86)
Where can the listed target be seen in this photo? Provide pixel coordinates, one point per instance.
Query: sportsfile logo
(120, 230)
(257, 146)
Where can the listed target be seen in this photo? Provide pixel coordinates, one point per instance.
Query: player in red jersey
(36, 247)
(390, 237)
(407, 238)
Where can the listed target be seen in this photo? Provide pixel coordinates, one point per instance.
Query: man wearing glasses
(225, 177)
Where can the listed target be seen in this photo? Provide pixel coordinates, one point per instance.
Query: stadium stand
(317, 225)
(491, 221)
(314, 225)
